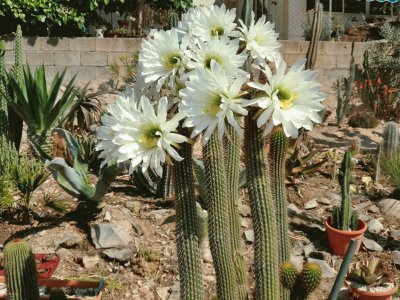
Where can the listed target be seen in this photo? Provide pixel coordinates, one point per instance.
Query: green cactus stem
(263, 212)
(173, 19)
(232, 147)
(310, 277)
(218, 219)
(315, 36)
(344, 180)
(21, 274)
(190, 272)
(354, 221)
(3, 89)
(57, 294)
(277, 157)
(336, 217)
(288, 274)
(391, 139)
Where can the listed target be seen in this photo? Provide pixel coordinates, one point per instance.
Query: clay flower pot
(364, 295)
(339, 240)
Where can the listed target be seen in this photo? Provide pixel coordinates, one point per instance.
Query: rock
(163, 293)
(133, 205)
(308, 249)
(90, 261)
(175, 291)
(298, 248)
(159, 213)
(396, 257)
(362, 206)
(373, 209)
(207, 256)
(249, 236)
(364, 217)
(324, 201)
(321, 255)
(334, 197)
(371, 245)
(327, 271)
(107, 216)
(395, 234)
(374, 226)
(298, 261)
(244, 223)
(390, 207)
(245, 210)
(135, 226)
(109, 235)
(70, 240)
(294, 210)
(123, 254)
(65, 254)
(307, 222)
(311, 204)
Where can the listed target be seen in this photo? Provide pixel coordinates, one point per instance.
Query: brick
(102, 73)
(292, 58)
(39, 57)
(118, 44)
(343, 61)
(291, 47)
(106, 44)
(304, 46)
(115, 57)
(128, 45)
(67, 59)
(9, 57)
(83, 74)
(55, 44)
(326, 62)
(359, 49)
(82, 44)
(32, 43)
(96, 59)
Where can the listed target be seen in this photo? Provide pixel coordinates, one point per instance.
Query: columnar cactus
(57, 294)
(3, 92)
(21, 274)
(315, 36)
(391, 139)
(232, 159)
(263, 212)
(218, 219)
(190, 272)
(277, 156)
(173, 19)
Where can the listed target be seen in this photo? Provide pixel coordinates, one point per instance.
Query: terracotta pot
(339, 240)
(78, 284)
(45, 267)
(363, 295)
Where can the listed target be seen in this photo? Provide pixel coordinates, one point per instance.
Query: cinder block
(118, 44)
(9, 42)
(83, 74)
(343, 61)
(339, 48)
(40, 57)
(291, 47)
(115, 57)
(326, 62)
(9, 57)
(102, 73)
(304, 46)
(32, 43)
(291, 59)
(128, 45)
(359, 48)
(95, 59)
(107, 44)
(82, 44)
(67, 59)
(55, 44)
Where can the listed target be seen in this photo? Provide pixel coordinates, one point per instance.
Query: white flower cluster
(206, 69)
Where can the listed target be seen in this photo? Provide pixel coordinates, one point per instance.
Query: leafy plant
(6, 198)
(370, 273)
(127, 69)
(391, 167)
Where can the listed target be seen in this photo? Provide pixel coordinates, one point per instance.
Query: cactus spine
(21, 275)
(57, 294)
(344, 100)
(310, 277)
(232, 158)
(173, 19)
(263, 212)
(190, 272)
(288, 275)
(391, 139)
(218, 219)
(315, 36)
(3, 91)
(277, 156)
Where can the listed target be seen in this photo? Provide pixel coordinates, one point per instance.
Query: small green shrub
(391, 167)
(363, 120)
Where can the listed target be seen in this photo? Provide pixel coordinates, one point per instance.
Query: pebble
(395, 234)
(308, 249)
(108, 235)
(311, 204)
(133, 205)
(374, 226)
(249, 236)
(334, 196)
(371, 245)
(163, 292)
(244, 223)
(107, 216)
(373, 209)
(90, 261)
(396, 257)
(327, 271)
(324, 201)
(293, 209)
(364, 217)
(123, 254)
(245, 210)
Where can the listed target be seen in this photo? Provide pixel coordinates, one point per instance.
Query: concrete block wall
(90, 58)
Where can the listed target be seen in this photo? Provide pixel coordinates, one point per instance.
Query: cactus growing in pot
(344, 224)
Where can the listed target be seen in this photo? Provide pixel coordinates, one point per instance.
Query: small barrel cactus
(57, 294)
(310, 277)
(173, 20)
(21, 274)
(391, 139)
(288, 275)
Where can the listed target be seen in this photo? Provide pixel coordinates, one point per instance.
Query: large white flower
(134, 131)
(210, 99)
(260, 39)
(163, 58)
(292, 99)
(208, 22)
(224, 53)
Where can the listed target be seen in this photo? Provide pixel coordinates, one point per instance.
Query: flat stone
(324, 201)
(244, 223)
(323, 255)
(107, 216)
(390, 207)
(334, 196)
(249, 236)
(90, 261)
(396, 257)
(245, 210)
(123, 254)
(395, 234)
(70, 240)
(327, 271)
(374, 209)
(298, 248)
(308, 249)
(374, 226)
(163, 293)
(311, 204)
(133, 205)
(371, 245)
(108, 235)
(364, 217)
(363, 205)
(294, 210)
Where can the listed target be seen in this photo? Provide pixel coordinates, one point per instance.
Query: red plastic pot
(339, 240)
(77, 284)
(364, 295)
(46, 265)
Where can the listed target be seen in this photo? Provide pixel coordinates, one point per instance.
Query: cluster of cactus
(303, 283)
(316, 31)
(150, 183)
(370, 273)
(21, 274)
(391, 139)
(344, 90)
(173, 19)
(342, 217)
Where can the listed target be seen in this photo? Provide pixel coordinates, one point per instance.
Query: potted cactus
(369, 281)
(344, 224)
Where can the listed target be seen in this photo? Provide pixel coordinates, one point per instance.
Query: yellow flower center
(258, 39)
(217, 31)
(286, 98)
(212, 107)
(150, 133)
(210, 57)
(172, 60)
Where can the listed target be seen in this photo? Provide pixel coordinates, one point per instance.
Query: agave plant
(41, 109)
(370, 273)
